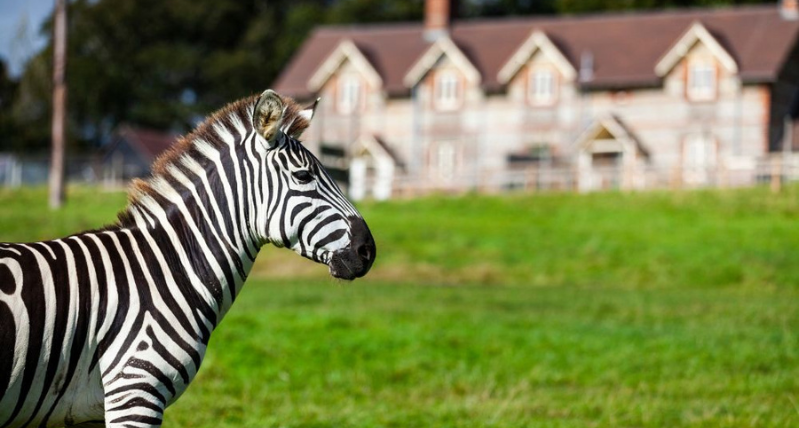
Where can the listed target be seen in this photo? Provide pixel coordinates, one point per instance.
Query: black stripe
(154, 372)
(139, 386)
(58, 269)
(81, 323)
(7, 338)
(136, 402)
(123, 296)
(33, 298)
(169, 358)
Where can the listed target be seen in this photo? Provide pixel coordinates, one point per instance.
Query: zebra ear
(308, 112)
(268, 116)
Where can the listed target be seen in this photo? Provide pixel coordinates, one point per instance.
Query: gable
(697, 37)
(348, 56)
(610, 134)
(536, 46)
(443, 51)
(371, 145)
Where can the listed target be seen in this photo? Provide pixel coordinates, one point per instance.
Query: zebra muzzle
(356, 260)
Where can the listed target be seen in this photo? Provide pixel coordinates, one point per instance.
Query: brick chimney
(437, 17)
(789, 9)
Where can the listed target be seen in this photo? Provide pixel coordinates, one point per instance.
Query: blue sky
(23, 17)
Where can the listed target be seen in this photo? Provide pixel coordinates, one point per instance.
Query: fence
(18, 171)
(774, 170)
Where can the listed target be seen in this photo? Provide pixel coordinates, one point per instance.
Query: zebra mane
(230, 117)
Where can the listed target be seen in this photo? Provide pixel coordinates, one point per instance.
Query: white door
(699, 159)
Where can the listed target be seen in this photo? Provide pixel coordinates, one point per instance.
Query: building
(632, 100)
(131, 153)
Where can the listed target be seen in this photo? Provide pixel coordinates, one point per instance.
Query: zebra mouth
(341, 267)
(348, 265)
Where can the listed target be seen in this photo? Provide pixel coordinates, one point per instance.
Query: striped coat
(109, 327)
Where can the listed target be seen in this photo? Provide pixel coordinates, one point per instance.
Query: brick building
(621, 100)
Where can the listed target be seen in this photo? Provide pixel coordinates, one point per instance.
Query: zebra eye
(303, 176)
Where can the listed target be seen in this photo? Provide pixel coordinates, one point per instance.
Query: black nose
(365, 252)
(362, 242)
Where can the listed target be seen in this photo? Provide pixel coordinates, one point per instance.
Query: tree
(8, 90)
(59, 105)
(583, 6)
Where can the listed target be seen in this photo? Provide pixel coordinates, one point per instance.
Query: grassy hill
(601, 310)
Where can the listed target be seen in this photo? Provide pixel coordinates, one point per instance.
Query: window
(349, 94)
(541, 89)
(701, 81)
(447, 90)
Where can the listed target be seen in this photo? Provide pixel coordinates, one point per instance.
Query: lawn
(601, 310)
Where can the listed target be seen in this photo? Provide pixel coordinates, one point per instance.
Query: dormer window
(542, 86)
(701, 81)
(349, 94)
(447, 90)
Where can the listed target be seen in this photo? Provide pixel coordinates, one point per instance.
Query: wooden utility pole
(59, 104)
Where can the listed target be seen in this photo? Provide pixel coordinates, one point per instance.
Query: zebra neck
(200, 251)
(201, 202)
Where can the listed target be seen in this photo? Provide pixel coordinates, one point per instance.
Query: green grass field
(601, 310)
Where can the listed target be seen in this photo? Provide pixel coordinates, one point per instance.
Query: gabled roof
(377, 147)
(444, 46)
(391, 50)
(538, 41)
(345, 51)
(696, 34)
(149, 143)
(614, 127)
(625, 47)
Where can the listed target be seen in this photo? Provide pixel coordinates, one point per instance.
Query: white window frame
(542, 86)
(349, 93)
(447, 91)
(701, 80)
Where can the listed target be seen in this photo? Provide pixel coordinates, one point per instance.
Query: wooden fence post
(776, 175)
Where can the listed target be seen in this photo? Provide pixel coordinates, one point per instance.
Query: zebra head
(304, 208)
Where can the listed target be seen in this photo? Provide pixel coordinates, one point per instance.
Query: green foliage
(8, 89)
(558, 310)
(365, 11)
(166, 64)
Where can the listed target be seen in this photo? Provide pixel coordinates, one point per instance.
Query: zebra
(108, 327)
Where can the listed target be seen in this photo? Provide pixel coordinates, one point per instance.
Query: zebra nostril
(362, 245)
(364, 252)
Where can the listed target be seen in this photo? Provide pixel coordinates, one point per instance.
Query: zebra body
(109, 327)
